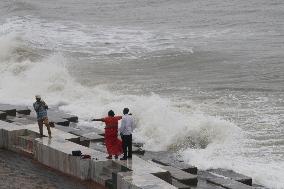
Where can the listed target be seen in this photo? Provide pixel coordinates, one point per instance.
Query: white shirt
(127, 125)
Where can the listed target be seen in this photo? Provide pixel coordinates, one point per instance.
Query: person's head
(37, 97)
(125, 111)
(111, 113)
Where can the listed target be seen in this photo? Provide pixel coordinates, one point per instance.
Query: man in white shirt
(126, 129)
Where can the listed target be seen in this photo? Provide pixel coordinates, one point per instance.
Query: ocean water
(204, 79)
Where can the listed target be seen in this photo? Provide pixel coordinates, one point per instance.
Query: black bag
(76, 153)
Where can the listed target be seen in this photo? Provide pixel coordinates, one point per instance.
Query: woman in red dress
(113, 144)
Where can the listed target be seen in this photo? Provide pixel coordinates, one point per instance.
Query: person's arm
(36, 106)
(122, 126)
(118, 117)
(98, 119)
(44, 105)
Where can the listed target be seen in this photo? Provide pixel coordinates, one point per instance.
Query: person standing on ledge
(41, 112)
(126, 129)
(113, 144)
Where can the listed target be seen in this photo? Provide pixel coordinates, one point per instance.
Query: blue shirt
(41, 109)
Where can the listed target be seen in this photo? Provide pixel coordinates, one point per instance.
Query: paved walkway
(19, 172)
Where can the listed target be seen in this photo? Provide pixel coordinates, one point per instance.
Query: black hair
(125, 110)
(111, 113)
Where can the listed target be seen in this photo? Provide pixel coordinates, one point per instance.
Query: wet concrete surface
(20, 172)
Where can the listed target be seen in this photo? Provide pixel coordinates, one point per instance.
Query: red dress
(113, 144)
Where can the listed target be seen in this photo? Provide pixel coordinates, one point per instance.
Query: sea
(203, 78)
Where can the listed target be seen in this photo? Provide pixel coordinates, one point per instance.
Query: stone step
(233, 175)
(181, 176)
(19, 120)
(60, 114)
(180, 165)
(23, 110)
(138, 150)
(58, 121)
(65, 129)
(228, 183)
(203, 184)
(104, 178)
(94, 137)
(179, 185)
(221, 180)
(3, 115)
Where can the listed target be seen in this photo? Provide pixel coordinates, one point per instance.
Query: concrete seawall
(19, 133)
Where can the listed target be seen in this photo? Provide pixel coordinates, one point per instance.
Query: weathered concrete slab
(113, 169)
(181, 176)
(221, 180)
(179, 185)
(181, 165)
(58, 121)
(19, 121)
(228, 183)
(23, 110)
(138, 150)
(94, 137)
(140, 166)
(142, 181)
(3, 115)
(9, 109)
(203, 184)
(233, 175)
(64, 128)
(56, 153)
(89, 134)
(60, 114)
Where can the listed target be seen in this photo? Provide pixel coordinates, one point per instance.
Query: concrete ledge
(228, 183)
(233, 175)
(180, 165)
(181, 176)
(141, 181)
(9, 109)
(179, 185)
(3, 115)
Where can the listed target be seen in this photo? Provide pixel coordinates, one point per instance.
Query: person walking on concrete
(126, 129)
(41, 110)
(113, 144)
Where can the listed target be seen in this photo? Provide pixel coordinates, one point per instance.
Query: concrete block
(64, 128)
(138, 150)
(112, 170)
(58, 121)
(203, 184)
(9, 109)
(94, 137)
(228, 183)
(19, 121)
(141, 181)
(23, 110)
(179, 185)
(3, 115)
(221, 180)
(181, 176)
(181, 165)
(60, 114)
(233, 175)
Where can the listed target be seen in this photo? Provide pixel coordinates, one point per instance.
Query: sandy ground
(20, 172)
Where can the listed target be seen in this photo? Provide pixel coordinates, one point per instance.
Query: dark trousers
(127, 144)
